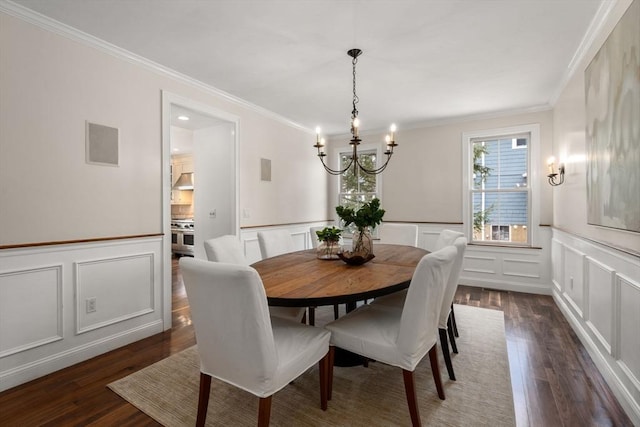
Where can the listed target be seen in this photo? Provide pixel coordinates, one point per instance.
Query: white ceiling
(423, 60)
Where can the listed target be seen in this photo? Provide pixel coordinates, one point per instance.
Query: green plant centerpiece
(329, 243)
(364, 219)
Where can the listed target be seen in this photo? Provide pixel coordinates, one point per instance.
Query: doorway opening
(200, 182)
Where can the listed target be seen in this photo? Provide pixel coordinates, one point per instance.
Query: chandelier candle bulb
(550, 163)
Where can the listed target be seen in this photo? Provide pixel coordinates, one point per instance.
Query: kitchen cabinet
(179, 165)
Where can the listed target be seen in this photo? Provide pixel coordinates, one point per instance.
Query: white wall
(596, 270)
(570, 199)
(50, 85)
(52, 81)
(423, 182)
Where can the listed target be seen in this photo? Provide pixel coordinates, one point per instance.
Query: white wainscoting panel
(629, 328)
(44, 324)
(34, 293)
(603, 309)
(105, 281)
(574, 279)
(480, 264)
(521, 268)
(600, 284)
(557, 268)
(508, 268)
(505, 268)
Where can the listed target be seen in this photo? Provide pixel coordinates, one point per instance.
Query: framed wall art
(612, 98)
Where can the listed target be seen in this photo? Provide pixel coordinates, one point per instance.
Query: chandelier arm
(332, 171)
(374, 171)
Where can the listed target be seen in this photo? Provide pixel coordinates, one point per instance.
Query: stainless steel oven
(182, 232)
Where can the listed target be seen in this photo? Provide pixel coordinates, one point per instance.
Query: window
(357, 187)
(498, 201)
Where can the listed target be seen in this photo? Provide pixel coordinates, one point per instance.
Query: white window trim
(532, 178)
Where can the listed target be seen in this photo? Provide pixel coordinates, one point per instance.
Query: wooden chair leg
(452, 337)
(412, 399)
(312, 316)
(452, 315)
(435, 368)
(203, 399)
(336, 311)
(332, 356)
(264, 411)
(444, 343)
(324, 374)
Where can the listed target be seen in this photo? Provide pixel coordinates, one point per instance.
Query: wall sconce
(553, 174)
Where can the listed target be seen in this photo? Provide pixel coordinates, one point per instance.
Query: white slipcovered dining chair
(445, 325)
(398, 234)
(239, 343)
(397, 300)
(227, 249)
(277, 242)
(314, 236)
(447, 238)
(400, 337)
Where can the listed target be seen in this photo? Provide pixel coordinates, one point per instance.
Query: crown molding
(596, 25)
(49, 24)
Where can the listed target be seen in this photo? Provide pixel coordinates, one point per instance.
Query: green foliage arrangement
(480, 172)
(369, 215)
(329, 234)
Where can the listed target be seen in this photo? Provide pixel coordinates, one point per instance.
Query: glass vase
(362, 243)
(328, 250)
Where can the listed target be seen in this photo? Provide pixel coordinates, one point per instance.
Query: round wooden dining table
(300, 279)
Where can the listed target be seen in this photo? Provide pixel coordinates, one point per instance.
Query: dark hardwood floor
(554, 381)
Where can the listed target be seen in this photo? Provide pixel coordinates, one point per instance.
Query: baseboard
(625, 398)
(55, 362)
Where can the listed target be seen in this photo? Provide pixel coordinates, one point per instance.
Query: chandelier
(355, 139)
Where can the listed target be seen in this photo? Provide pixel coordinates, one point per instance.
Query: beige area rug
(373, 396)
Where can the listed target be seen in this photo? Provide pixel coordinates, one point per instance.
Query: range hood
(185, 182)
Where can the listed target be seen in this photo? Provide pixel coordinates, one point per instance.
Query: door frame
(169, 99)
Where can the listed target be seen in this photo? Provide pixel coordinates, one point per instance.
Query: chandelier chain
(354, 159)
(354, 112)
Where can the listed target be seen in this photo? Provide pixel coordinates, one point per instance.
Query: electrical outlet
(91, 304)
